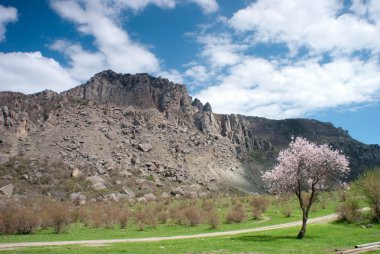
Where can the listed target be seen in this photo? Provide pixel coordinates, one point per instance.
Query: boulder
(99, 186)
(7, 190)
(95, 179)
(78, 197)
(165, 195)
(149, 197)
(130, 193)
(145, 147)
(76, 173)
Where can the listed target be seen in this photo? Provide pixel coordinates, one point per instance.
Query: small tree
(306, 169)
(369, 185)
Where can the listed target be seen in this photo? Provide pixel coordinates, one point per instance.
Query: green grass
(325, 238)
(79, 232)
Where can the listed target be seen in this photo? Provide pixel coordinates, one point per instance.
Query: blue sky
(271, 58)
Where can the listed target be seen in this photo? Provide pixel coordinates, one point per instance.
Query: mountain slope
(121, 136)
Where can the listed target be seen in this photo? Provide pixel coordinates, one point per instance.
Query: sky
(271, 58)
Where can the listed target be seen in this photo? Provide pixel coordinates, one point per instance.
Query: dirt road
(326, 218)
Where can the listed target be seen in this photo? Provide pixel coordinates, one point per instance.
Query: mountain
(137, 136)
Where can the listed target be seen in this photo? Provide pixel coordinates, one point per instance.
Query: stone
(76, 173)
(142, 200)
(78, 197)
(149, 197)
(130, 193)
(7, 190)
(145, 147)
(193, 195)
(165, 195)
(99, 186)
(95, 179)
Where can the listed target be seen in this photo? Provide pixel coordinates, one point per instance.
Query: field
(321, 238)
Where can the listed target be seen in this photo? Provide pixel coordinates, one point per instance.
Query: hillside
(136, 136)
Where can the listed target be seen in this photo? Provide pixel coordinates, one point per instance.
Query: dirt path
(327, 218)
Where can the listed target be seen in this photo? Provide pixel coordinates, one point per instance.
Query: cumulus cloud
(99, 19)
(260, 87)
(322, 26)
(207, 6)
(82, 64)
(220, 50)
(172, 75)
(7, 15)
(32, 72)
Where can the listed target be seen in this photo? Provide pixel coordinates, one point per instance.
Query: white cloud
(99, 19)
(198, 73)
(260, 87)
(172, 75)
(141, 4)
(83, 64)
(207, 6)
(32, 72)
(7, 15)
(219, 50)
(319, 26)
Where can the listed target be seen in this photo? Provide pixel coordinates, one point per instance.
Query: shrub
(123, 218)
(349, 211)
(369, 186)
(17, 217)
(259, 205)
(58, 215)
(193, 216)
(236, 214)
(212, 218)
(146, 216)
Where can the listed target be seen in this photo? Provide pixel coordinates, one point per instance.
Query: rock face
(137, 135)
(141, 90)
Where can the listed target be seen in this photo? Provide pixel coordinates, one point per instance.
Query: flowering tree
(306, 169)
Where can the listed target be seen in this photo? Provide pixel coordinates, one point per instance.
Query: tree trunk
(302, 232)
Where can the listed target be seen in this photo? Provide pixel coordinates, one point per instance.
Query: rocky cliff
(127, 136)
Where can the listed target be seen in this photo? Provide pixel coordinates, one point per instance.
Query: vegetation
(368, 185)
(306, 170)
(318, 241)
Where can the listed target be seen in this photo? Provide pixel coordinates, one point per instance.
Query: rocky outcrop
(140, 90)
(134, 135)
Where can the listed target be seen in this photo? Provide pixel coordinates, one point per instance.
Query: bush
(18, 217)
(259, 205)
(236, 214)
(193, 216)
(369, 185)
(123, 218)
(146, 216)
(212, 219)
(349, 211)
(58, 215)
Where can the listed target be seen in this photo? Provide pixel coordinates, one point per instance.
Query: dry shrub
(57, 214)
(18, 217)
(259, 205)
(236, 214)
(284, 205)
(176, 215)
(193, 216)
(208, 205)
(162, 216)
(210, 214)
(123, 218)
(323, 199)
(146, 216)
(349, 211)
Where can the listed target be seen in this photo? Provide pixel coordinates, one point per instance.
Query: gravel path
(326, 218)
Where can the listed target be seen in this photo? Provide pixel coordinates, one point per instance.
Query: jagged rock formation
(137, 136)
